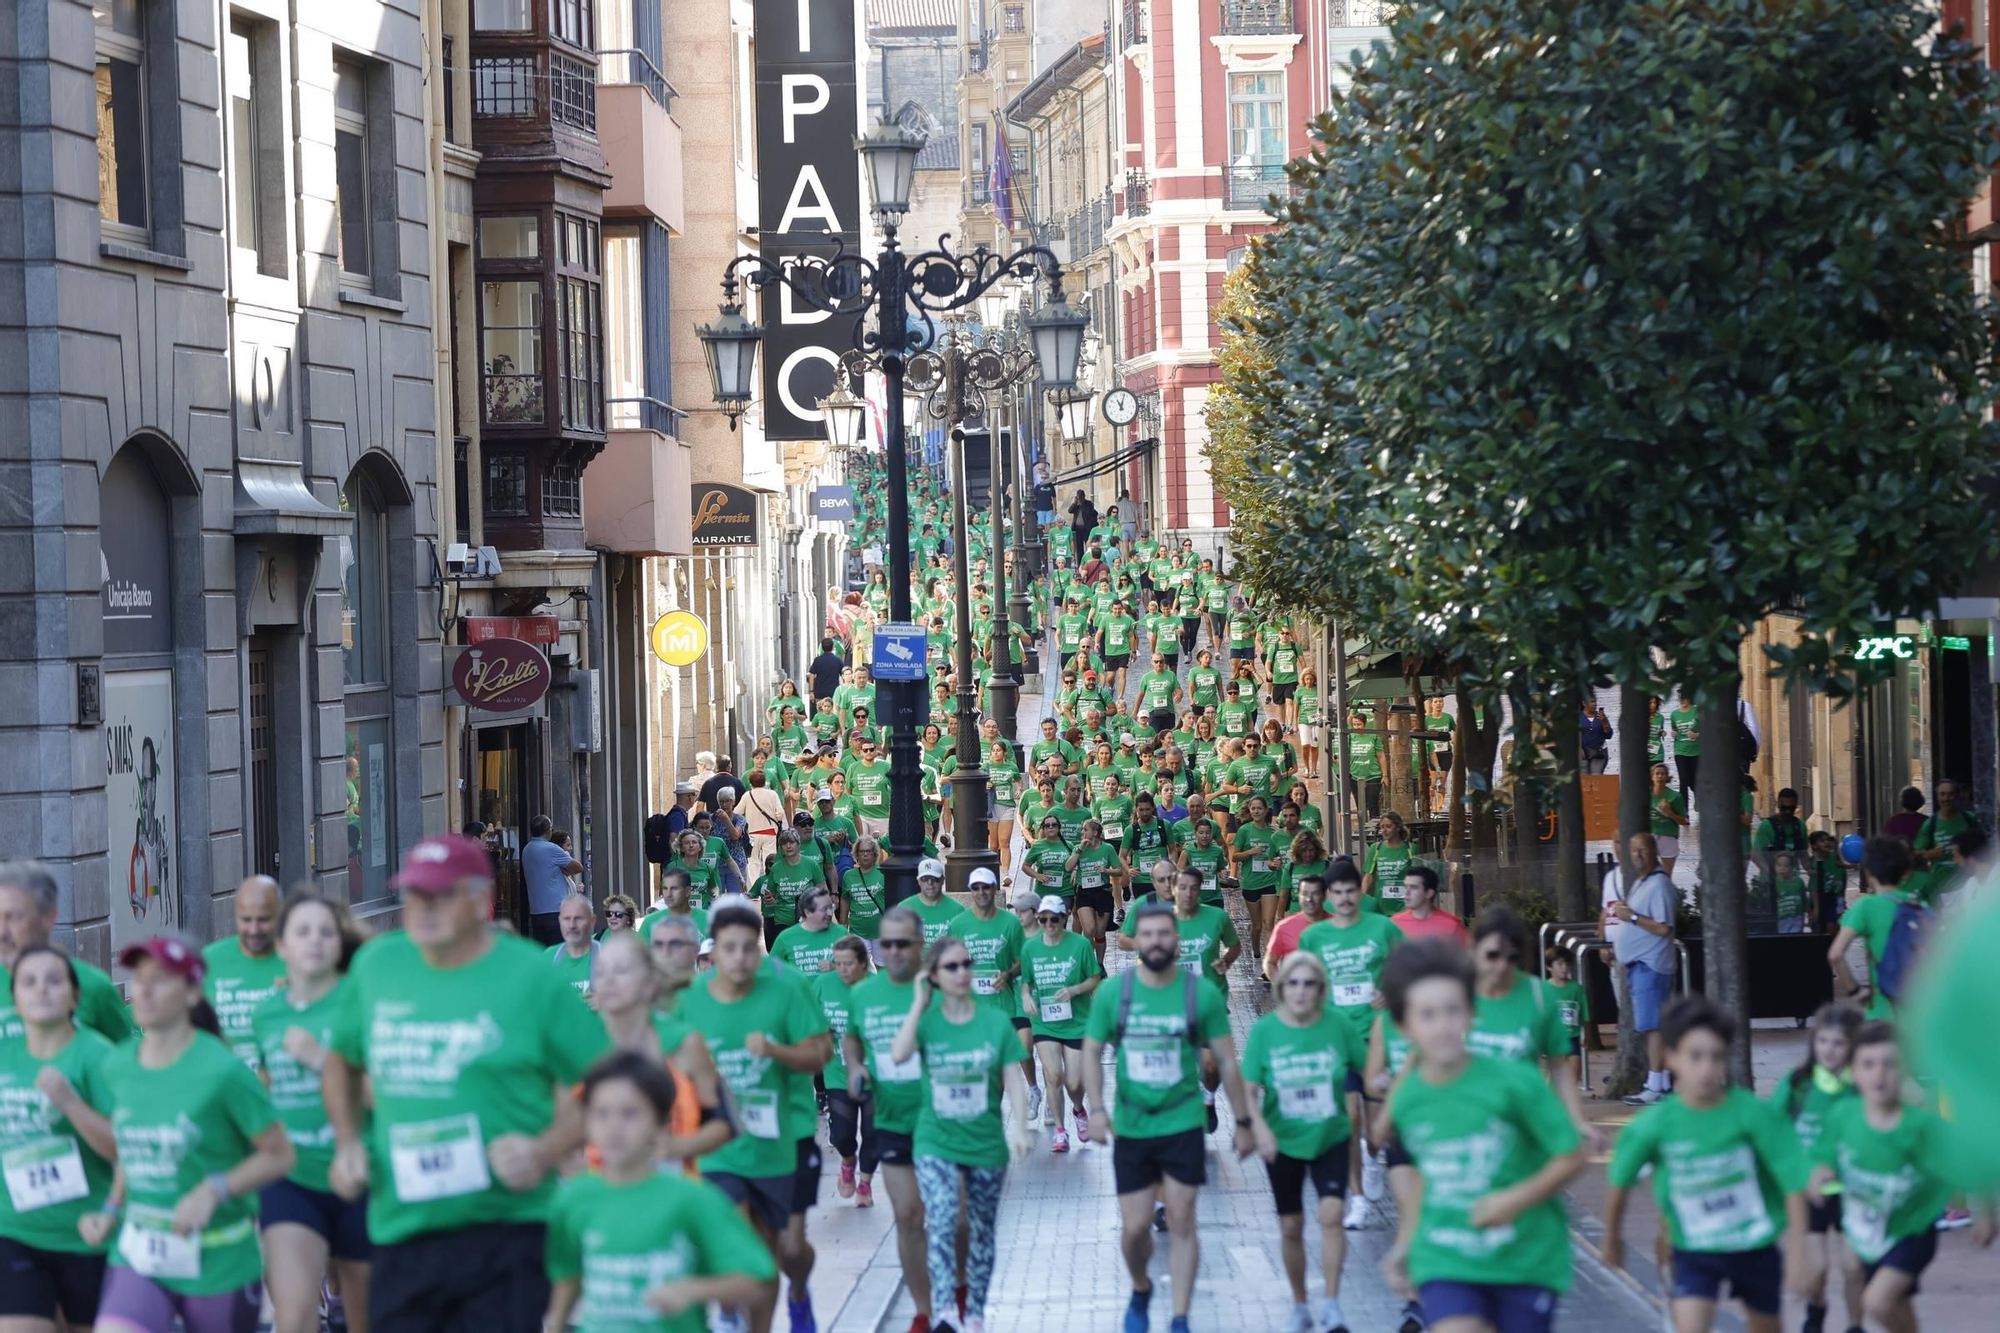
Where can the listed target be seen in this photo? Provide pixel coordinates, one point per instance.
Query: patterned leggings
(937, 1182)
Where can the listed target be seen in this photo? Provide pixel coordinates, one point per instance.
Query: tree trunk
(1524, 792)
(1571, 901)
(1628, 1074)
(1718, 804)
(1398, 793)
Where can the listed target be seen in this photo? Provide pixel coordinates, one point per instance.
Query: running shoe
(921, 1324)
(1159, 1217)
(1082, 1125)
(864, 1193)
(1953, 1219)
(1372, 1172)
(1061, 1141)
(1135, 1311)
(728, 1321)
(799, 1309)
(1179, 1324)
(1332, 1319)
(846, 1185)
(1357, 1213)
(1302, 1321)
(1034, 1103)
(1413, 1318)
(1645, 1097)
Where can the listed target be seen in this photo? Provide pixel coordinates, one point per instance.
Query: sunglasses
(1309, 983)
(1498, 955)
(957, 965)
(888, 942)
(1045, 920)
(616, 914)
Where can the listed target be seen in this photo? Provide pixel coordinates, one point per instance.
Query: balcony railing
(1256, 18)
(975, 57)
(644, 414)
(1251, 187)
(1138, 194)
(977, 193)
(1133, 23)
(627, 64)
(1359, 13)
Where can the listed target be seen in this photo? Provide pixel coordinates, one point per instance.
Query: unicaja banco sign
(501, 675)
(725, 515)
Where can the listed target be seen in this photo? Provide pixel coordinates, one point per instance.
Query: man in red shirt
(1422, 919)
(1312, 901)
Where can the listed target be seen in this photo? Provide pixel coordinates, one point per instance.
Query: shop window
(371, 804)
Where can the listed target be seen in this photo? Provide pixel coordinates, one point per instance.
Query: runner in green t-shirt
(848, 1129)
(1098, 871)
(864, 895)
(875, 1011)
(1254, 852)
(1296, 1061)
(1209, 947)
(573, 958)
(807, 944)
(933, 909)
(994, 939)
(1159, 689)
(785, 882)
(1159, 1122)
(243, 969)
(1114, 809)
(1237, 717)
(1043, 864)
(1148, 839)
(1117, 636)
(1204, 681)
(1059, 973)
(1201, 853)
(1885, 869)
(869, 780)
(633, 1247)
(1382, 871)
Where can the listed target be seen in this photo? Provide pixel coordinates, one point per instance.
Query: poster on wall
(139, 804)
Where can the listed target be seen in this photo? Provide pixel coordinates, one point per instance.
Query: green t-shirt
(1242, 629)
(1293, 872)
(1115, 813)
(1303, 1073)
(458, 1057)
(175, 1127)
(867, 897)
(624, 1240)
(1891, 1184)
(1388, 863)
(1808, 1103)
(810, 951)
(790, 740)
(1040, 751)
(694, 914)
(833, 995)
(1118, 635)
(1365, 752)
(1072, 820)
(1490, 1128)
(995, 946)
(1873, 917)
(702, 880)
(1236, 718)
(1257, 774)
(1097, 779)
(295, 1088)
(1257, 852)
(768, 1095)
(1720, 1174)
(1524, 1024)
(1685, 726)
(236, 984)
(1006, 780)
(1285, 663)
(1354, 956)
(1572, 1004)
(835, 826)
(1204, 686)
(870, 784)
(1203, 938)
(875, 1011)
(937, 919)
(99, 1006)
(53, 1176)
(1210, 861)
(1071, 626)
(1043, 863)
(964, 1065)
(574, 970)
(1662, 826)
(1789, 895)
(1047, 968)
(1144, 844)
(1094, 866)
(783, 885)
(1159, 1071)
(1941, 876)
(1156, 690)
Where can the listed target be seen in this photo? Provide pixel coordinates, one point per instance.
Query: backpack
(1908, 934)
(658, 840)
(1190, 996)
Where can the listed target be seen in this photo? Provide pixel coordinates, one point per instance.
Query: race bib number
(1726, 1212)
(1313, 1101)
(1154, 1068)
(958, 1101)
(1570, 1015)
(155, 1251)
(759, 1113)
(986, 985)
(1350, 993)
(1056, 1011)
(1866, 1226)
(1090, 881)
(892, 1071)
(44, 1172)
(438, 1159)
(1208, 886)
(1259, 866)
(1192, 966)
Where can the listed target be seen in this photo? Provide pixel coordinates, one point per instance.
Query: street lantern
(730, 344)
(889, 152)
(1073, 410)
(844, 414)
(1056, 332)
(993, 307)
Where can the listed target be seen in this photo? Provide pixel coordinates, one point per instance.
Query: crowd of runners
(451, 1128)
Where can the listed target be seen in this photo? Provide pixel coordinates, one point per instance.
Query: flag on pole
(1000, 182)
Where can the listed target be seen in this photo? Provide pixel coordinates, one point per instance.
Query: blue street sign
(900, 652)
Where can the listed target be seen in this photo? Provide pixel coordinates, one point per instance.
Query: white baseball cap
(980, 876)
(1052, 904)
(930, 868)
(824, 794)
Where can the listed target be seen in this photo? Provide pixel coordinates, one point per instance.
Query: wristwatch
(1243, 1122)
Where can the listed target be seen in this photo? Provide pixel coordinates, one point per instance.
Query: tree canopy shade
(1601, 326)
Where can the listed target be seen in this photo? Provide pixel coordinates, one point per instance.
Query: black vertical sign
(808, 194)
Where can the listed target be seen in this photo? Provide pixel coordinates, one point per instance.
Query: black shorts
(771, 932)
(1823, 1216)
(341, 1223)
(1117, 661)
(1911, 1255)
(775, 1200)
(42, 1283)
(1137, 1164)
(484, 1278)
(1068, 1043)
(1755, 1277)
(1394, 1154)
(1251, 895)
(1021, 1024)
(894, 1147)
(1242, 654)
(1160, 719)
(1282, 693)
(1097, 900)
(1328, 1173)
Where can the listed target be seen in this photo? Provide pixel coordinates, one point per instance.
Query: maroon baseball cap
(439, 864)
(169, 953)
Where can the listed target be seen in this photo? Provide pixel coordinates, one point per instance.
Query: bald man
(29, 902)
(243, 969)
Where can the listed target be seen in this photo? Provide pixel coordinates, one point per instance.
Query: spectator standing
(1594, 737)
(1905, 824)
(1082, 518)
(724, 778)
(1128, 517)
(1643, 942)
(545, 866)
(824, 672)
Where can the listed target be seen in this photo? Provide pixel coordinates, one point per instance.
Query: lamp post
(891, 286)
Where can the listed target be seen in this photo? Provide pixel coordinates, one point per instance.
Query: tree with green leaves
(1599, 329)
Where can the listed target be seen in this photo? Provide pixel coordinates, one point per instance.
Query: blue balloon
(1851, 848)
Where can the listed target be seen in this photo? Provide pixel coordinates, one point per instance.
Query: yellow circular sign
(680, 638)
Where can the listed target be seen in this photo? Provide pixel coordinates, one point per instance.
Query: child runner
(1807, 1096)
(1727, 1173)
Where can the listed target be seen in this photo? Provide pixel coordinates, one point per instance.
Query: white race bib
(1313, 1101)
(1208, 885)
(1091, 881)
(1867, 1227)
(890, 1071)
(1191, 966)
(1154, 1068)
(42, 1172)
(986, 985)
(1056, 1011)
(438, 1159)
(1705, 1215)
(759, 1113)
(958, 1101)
(1259, 866)
(1352, 992)
(155, 1251)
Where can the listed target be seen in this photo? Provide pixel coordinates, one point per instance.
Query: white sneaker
(1357, 1213)
(1373, 1172)
(1645, 1097)
(1332, 1319)
(1035, 1105)
(1302, 1321)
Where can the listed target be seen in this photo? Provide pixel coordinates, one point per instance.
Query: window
(1015, 19)
(625, 329)
(570, 21)
(506, 486)
(121, 112)
(503, 86)
(371, 782)
(256, 144)
(573, 91)
(364, 174)
(502, 15)
(562, 493)
(1256, 120)
(580, 316)
(364, 585)
(510, 317)
(510, 238)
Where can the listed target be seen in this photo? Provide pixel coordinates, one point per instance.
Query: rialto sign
(808, 195)
(501, 675)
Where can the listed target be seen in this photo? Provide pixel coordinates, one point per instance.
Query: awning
(273, 498)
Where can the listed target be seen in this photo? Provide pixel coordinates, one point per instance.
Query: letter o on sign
(680, 638)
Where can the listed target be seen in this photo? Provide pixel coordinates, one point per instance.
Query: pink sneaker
(1061, 1143)
(1082, 1125)
(846, 1185)
(864, 1193)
